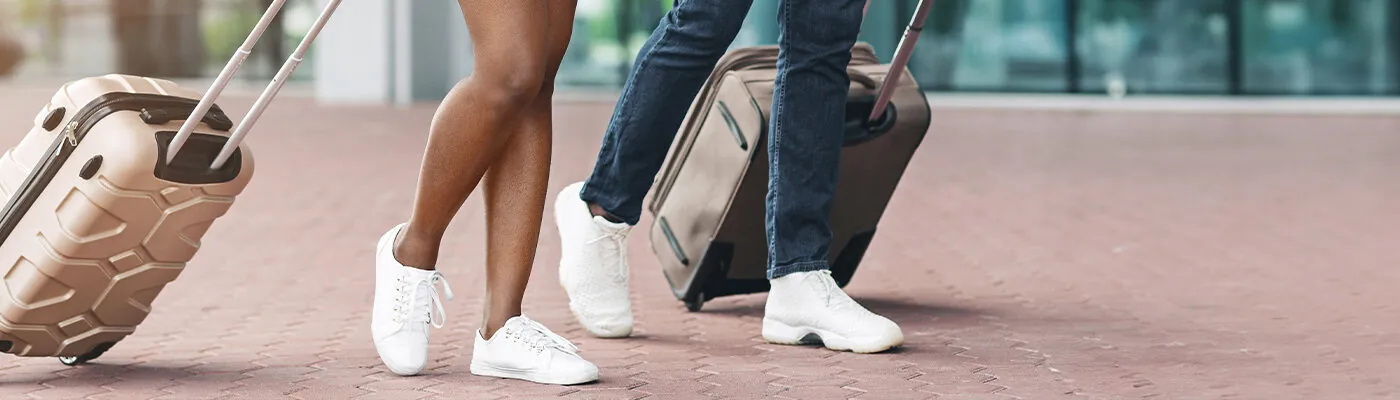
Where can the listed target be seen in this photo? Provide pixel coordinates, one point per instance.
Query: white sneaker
(808, 305)
(524, 349)
(404, 301)
(593, 266)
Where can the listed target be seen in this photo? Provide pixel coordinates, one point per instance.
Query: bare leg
(516, 185)
(474, 123)
(498, 120)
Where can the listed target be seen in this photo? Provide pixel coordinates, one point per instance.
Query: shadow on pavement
(98, 372)
(897, 309)
(893, 308)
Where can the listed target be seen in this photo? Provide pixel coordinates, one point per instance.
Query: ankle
(489, 328)
(415, 252)
(598, 211)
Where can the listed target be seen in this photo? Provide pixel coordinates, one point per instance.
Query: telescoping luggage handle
(901, 59)
(268, 94)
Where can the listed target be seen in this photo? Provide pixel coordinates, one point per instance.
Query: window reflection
(1299, 47)
(1153, 46)
(67, 39)
(1320, 46)
(991, 45)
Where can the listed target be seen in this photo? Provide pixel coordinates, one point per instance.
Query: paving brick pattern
(1029, 255)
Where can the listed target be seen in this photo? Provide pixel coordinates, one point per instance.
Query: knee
(512, 87)
(707, 27)
(546, 90)
(833, 26)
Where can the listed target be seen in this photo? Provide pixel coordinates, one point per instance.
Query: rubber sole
(780, 333)
(398, 369)
(486, 370)
(401, 371)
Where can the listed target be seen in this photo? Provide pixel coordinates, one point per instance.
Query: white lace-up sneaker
(405, 299)
(593, 266)
(524, 349)
(809, 305)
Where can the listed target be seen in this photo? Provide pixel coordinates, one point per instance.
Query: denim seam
(776, 135)
(776, 272)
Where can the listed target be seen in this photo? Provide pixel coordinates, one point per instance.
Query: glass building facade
(1210, 47)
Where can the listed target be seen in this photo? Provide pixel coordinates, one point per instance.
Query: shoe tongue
(518, 322)
(418, 274)
(533, 331)
(520, 327)
(513, 324)
(610, 226)
(826, 287)
(421, 300)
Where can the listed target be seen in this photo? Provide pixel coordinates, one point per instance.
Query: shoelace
(832, 293)
(539, 338)
(408, 293)
(618, 239)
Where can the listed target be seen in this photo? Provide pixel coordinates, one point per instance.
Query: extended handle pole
(901, 59)
(222, 80)
(270, 92)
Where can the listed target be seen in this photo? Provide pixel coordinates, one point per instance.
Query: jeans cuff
(586, 195)
(779, 271)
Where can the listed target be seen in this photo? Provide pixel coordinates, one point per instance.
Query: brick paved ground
(1039, 255)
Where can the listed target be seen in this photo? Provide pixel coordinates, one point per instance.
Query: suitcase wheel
(89, 356)
(694, 304)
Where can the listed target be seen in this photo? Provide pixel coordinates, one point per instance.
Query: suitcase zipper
(77, 128)
(69, 133)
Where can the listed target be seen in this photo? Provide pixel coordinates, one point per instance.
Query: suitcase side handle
(225, 75)
(861, 78)
(901, 59)
(858, 127)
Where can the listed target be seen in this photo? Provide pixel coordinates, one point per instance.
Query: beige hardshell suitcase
(108, 197)
(708, 202)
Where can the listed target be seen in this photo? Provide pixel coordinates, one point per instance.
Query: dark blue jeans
(804, 144)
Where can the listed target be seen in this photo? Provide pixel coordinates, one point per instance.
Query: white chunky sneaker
(524, 349)
(593, 266)
(405, 299)
(805, 306)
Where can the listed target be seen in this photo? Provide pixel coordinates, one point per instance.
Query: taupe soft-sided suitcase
(108, 197)
(708, 203)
